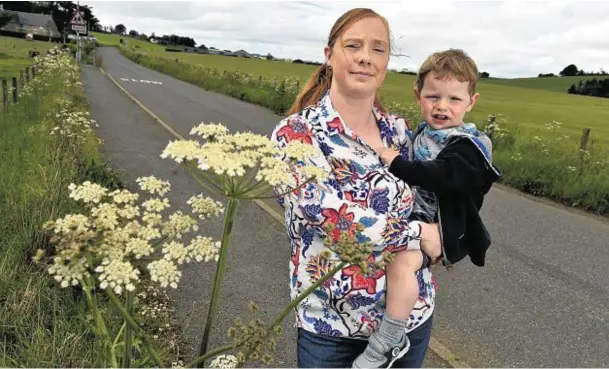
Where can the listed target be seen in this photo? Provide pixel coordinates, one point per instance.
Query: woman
(338, 112)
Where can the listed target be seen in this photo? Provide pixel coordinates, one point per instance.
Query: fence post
(4, 94)
(27, 74)
(15, 89)
(21, 78)
(583, 147)
(33, 71)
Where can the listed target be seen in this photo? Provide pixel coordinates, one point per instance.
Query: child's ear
(472, 102)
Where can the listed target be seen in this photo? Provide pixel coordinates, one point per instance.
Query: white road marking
(140, 81)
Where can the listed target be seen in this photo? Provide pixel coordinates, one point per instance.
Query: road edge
(434, 345)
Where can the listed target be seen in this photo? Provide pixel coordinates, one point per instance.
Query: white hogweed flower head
(233, 155)
(124, 197)
(205, 207)
(156, 205)
(176, 251)
(153, 186)
(204, 248)
(210, 131)
(117, 274)
(224, 361)
(180, 150)
(87, 192)
(179, 224)
(165, 272)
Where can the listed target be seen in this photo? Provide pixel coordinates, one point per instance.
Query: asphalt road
(541, 301)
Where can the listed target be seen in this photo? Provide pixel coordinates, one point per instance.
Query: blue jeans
(320, 351)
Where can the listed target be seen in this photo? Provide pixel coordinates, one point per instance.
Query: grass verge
(42, 325)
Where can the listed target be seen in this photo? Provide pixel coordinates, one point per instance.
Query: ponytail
(317, 85)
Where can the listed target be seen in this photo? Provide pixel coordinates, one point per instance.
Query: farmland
(537, 146)
(556, 84)
(14, 54)
(525, 104)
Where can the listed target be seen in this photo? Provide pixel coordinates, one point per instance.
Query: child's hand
(431, 242)
(387, 155)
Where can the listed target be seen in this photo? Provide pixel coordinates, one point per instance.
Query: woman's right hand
(431, 243)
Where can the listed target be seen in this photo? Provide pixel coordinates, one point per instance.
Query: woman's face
(359, 58)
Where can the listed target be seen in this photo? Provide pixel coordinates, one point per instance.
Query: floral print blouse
(359, 189)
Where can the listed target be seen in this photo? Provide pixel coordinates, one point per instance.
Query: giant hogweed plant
(123, 236)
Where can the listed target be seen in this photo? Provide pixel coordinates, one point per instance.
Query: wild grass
(42, 325)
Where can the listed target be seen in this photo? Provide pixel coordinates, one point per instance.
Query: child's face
(444, 101)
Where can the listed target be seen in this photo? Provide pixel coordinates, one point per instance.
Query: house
(242, 54)
(40, 26)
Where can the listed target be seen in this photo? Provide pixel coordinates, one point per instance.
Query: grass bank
(46, 143)
(14, 54)
(537, 143)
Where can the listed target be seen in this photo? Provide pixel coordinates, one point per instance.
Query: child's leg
(402, 293)
(402, 285)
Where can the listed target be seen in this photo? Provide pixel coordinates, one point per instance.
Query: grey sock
(388, 335)
(391, 329)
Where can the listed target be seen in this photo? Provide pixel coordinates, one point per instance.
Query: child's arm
(458, 168)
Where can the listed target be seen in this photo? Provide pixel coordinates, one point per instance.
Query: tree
(133, 33)
(484, 75)
(572, 89)
(120, 29)
(570, 70)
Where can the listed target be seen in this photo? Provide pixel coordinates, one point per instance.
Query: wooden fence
(12, 85)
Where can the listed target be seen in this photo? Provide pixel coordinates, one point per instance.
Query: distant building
(41, 26)
(242, 54)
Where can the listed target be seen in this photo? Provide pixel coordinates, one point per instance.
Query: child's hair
(452, 62)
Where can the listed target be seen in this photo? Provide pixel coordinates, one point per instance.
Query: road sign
(78, 22)
(79, 28)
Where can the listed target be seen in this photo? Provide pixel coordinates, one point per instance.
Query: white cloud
(507, 39)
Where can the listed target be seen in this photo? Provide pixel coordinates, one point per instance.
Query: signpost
(78, 25)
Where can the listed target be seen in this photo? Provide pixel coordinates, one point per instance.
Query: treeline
(593, 87)
(571, 70)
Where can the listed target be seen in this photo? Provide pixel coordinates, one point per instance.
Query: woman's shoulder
(296, 125)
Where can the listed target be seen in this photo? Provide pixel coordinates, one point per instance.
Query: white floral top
(360, 189)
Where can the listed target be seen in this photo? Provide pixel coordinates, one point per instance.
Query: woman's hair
(321, 79)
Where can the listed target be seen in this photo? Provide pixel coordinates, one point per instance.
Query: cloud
(507, 39)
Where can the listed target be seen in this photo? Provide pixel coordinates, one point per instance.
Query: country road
(541, 301)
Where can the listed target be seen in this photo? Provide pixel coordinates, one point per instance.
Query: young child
(450, 174)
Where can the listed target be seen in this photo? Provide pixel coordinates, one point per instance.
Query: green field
(537, 146)
(524, 104)
(14, 54)
(556, 84)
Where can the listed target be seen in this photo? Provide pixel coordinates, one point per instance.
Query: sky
(507, 39)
